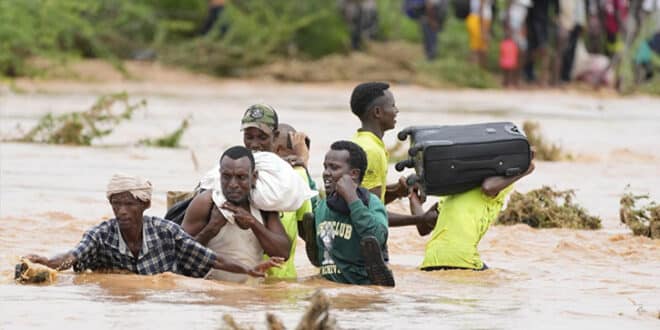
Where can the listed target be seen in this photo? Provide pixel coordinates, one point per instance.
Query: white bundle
(278, 186)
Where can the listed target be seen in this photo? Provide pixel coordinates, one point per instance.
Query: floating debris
(317, 317)
(81, 128)
(546, 208)
(642, 220)
(544, 150)
(29, 272)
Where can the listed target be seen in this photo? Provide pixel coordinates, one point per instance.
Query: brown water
(541, 279)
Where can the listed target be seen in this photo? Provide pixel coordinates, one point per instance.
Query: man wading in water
(247, 233)
(351, 222)
(142, 244)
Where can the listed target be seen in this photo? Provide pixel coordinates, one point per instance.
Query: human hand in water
(37, 259)
(243, 218)
(346, 188)
(260, 269)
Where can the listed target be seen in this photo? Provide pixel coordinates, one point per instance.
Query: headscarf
(138, 187)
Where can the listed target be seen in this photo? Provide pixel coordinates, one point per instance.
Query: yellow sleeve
(376, 174)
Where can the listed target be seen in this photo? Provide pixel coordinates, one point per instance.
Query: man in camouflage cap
(259, 126)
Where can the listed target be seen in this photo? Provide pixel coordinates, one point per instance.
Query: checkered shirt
(165, 248)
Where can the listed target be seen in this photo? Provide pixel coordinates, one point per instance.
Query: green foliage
(546, 208)
(544, 150)
(643, 220)
(81, 128)
(394, 25)
(171, 140)
(260, 31)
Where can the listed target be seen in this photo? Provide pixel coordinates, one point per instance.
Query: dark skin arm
(197, 222)
(430, 216)
(493, 185)
(271, 236)
(236, 267)
(59, 262)
(393, 191)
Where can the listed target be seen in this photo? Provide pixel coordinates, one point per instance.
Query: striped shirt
(165, 248)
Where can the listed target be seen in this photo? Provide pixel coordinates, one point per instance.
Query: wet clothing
(240, 244)
(463, 219)
(165, 248)
(377, 159)
(290, 223)
(339, 234)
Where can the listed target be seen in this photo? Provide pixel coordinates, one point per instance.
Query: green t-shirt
(338, 238)
(463, 219)
(290, 223)
(377, 160)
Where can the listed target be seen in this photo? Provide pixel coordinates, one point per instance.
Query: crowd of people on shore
(545, 42)
(246, 214)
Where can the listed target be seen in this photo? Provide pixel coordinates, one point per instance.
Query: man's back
(462, 221)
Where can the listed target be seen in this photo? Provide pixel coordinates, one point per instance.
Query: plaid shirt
(165, 248)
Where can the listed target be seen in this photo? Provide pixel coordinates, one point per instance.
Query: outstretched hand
(260, 269)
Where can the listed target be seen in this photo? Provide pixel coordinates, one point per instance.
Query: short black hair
(357, 158)
(238, 152)
(364, 95)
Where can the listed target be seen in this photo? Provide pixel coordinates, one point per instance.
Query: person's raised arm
(271, 234)
(366, 221)
(493, 185)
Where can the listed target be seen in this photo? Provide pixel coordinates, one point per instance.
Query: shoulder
(103, 227)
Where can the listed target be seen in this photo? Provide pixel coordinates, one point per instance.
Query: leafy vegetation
(547, 208)
(544, 150)
(82, 128)
(643, 220)
(171, 140)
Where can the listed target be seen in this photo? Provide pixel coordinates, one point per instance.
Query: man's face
(236, 179)
(128, 209)
(335, 166)
(388, 111)
(257, 140)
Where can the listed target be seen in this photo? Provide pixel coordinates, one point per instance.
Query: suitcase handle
(475, 164)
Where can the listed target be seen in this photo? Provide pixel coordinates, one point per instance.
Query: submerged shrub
(81, 128)
(544, 150)
(546, 208)
(642, 220)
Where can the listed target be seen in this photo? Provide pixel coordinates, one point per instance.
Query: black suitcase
(453, 159)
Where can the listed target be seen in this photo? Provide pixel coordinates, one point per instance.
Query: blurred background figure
(431, 15)
(361, 16)
(572, 19)
(538, 39)
(216, 7)
(478, 27)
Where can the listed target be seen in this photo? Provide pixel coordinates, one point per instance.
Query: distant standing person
(478, 27)
(362, 19)
(216, 7)
(432, 21)
(538, 38)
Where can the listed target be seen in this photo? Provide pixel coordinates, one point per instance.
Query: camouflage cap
(261, 116)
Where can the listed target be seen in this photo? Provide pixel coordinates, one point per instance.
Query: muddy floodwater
(539, 279)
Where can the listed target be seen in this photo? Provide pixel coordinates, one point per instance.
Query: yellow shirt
(463, 219)
(290, 223)
(377, 160)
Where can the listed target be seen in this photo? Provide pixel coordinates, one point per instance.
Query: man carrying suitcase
(462, 220)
